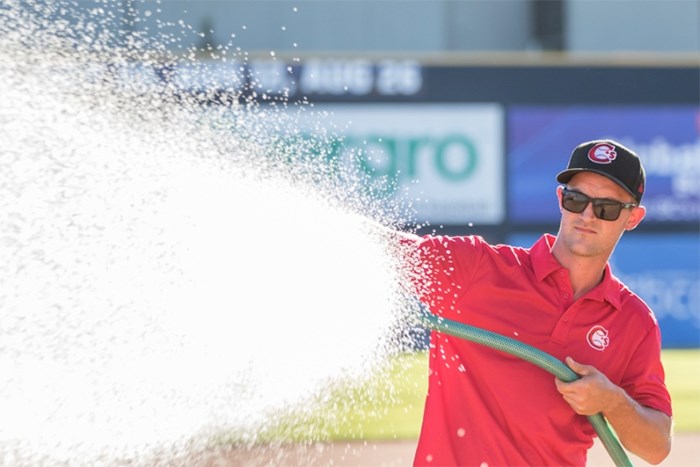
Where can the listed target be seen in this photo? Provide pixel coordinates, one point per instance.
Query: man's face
(583, 233)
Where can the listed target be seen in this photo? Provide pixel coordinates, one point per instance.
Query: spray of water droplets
(170, 276)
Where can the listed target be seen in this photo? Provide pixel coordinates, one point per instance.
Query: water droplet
(461, 432)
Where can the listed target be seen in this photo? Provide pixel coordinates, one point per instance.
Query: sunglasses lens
(574, 202)
(607, 211)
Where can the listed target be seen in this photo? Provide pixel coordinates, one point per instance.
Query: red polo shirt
(485, 407)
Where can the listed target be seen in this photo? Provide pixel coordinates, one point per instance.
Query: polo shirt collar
(544, 263)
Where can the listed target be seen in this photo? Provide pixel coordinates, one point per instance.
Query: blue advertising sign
(667, 138)
(664, 270)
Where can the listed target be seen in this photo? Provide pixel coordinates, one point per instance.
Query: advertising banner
(445, 161)
(664, 270)
(667, 138)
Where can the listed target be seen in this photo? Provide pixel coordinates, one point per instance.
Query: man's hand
(642, 430)
(591, 394)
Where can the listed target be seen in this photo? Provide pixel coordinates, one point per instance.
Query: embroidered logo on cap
(602, 153)
(598, 337)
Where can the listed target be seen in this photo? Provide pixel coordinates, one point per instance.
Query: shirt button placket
(565, 296)
(561, 330)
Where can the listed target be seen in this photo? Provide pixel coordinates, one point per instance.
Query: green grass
(683, 380)
(389, 404)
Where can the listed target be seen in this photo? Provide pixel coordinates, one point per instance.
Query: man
(485, 407)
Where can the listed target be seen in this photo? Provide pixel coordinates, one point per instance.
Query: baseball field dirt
(685, 452)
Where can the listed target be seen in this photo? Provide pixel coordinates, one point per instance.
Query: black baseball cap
(610, 159)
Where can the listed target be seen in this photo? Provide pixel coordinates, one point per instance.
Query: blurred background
(468, 109)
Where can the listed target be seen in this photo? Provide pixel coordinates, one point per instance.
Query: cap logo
(597, 337)
(602, 153)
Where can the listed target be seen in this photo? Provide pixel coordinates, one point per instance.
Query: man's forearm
(643, 431)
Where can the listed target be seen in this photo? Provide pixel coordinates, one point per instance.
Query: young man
(485, 407)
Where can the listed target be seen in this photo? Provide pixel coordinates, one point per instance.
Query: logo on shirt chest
(597, 337)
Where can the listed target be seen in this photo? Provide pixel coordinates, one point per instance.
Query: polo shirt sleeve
(644, 378)
(442, 268)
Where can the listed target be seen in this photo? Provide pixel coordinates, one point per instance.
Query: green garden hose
(536, 357)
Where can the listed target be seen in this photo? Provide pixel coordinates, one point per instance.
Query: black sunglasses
(603, 208)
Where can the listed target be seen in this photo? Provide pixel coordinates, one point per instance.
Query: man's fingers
(578, 368)
(561, 385)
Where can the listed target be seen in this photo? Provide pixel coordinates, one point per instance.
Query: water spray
(536, 357)
(138, 228)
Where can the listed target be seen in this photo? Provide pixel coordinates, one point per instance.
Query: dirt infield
(685, 452)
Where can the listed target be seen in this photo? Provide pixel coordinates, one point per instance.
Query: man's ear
(559, 191)
(636, 217)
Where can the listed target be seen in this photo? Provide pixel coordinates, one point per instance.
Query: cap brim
(566, 175)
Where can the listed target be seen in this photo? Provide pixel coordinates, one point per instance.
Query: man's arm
(644, 431)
